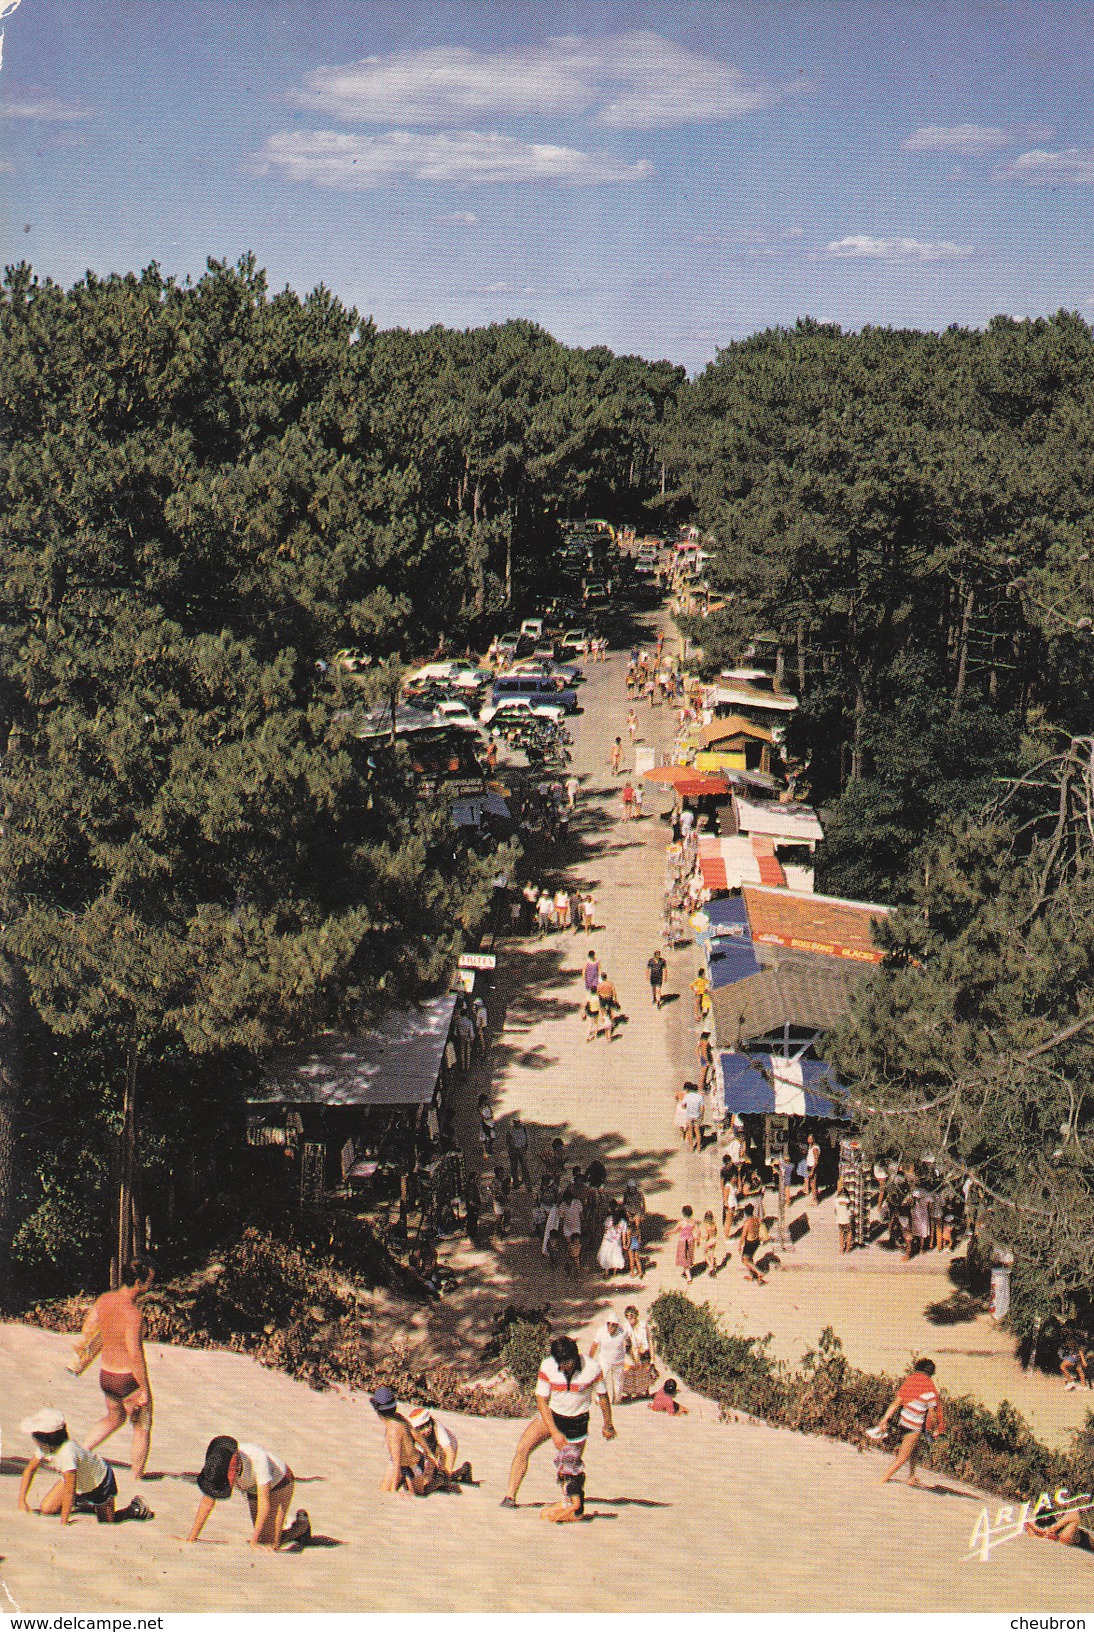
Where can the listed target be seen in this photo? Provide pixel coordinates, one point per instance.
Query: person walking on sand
(917, 1400)
(812, 1169)
(701, 989)
(844, 1217)
(655, 969)
(705, 1056)
(115, 1320)
(609, 1003)
(751, 1235)
(565, 1390)
(617, 755)
(516, 1145)
(266, 1481)
(685, 1244)
(628, 800)
(610, 1348)
(694, 1105)
(708, 1242)
(632, 725)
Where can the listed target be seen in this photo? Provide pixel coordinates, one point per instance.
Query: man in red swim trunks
(116, 1319)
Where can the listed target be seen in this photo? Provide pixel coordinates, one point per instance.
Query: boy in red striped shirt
(920, 1411)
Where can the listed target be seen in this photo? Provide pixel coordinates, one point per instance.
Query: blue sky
(658, 178)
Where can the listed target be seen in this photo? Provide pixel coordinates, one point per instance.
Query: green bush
(824, 1394)
(525, 1343)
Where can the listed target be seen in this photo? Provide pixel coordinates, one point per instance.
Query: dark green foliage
(823, 1394)
(208, 491)
(908, 514)
(973, 1047)
(526, 1341)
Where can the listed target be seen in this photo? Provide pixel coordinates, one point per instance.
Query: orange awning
(686, 780)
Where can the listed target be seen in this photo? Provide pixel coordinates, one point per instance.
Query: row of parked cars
(461, 693)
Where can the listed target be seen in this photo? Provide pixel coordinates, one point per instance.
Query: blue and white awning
(761, 1083)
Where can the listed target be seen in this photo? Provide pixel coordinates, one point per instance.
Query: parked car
(456, 672)
(532, 628)
(457, 713)
(541, 688)
(512, 645)
(547, 668)
(511, 708)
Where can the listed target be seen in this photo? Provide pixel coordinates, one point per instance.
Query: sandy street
(683, 1512)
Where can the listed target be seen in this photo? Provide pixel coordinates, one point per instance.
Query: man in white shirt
(610, 1348)
(570, 1215)
(565, 1389)
(693, 1107)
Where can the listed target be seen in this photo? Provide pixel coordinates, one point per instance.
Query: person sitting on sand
(665, 1399)
(1065, 1529)
(1074, 1363)
(440, 1445)
(411, 1468)
(266, 1481)
(86, 1483)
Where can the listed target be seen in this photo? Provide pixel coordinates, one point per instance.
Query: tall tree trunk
(14, 1020)
(479, 550)
(801, 660)
(860, 721)
(509, 553)
(963, 650)
(128, 1165)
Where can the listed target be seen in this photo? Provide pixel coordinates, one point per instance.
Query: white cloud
(508, 289)
(968, 139)
(1070, 165)
(749, 241)
(861, 247)
(40, 105)
(635, 80)
(461, 218)
(332, 158)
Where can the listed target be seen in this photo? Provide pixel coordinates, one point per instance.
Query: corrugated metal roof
(396, 1064)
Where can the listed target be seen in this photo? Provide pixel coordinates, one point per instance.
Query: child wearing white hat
(86, 1482)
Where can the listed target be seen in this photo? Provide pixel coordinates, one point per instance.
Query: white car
(514, 708)
(456, 673)
(453, 712)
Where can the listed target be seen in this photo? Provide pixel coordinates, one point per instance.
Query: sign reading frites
(478, 960)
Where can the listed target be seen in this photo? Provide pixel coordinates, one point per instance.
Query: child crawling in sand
(570, 1472)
